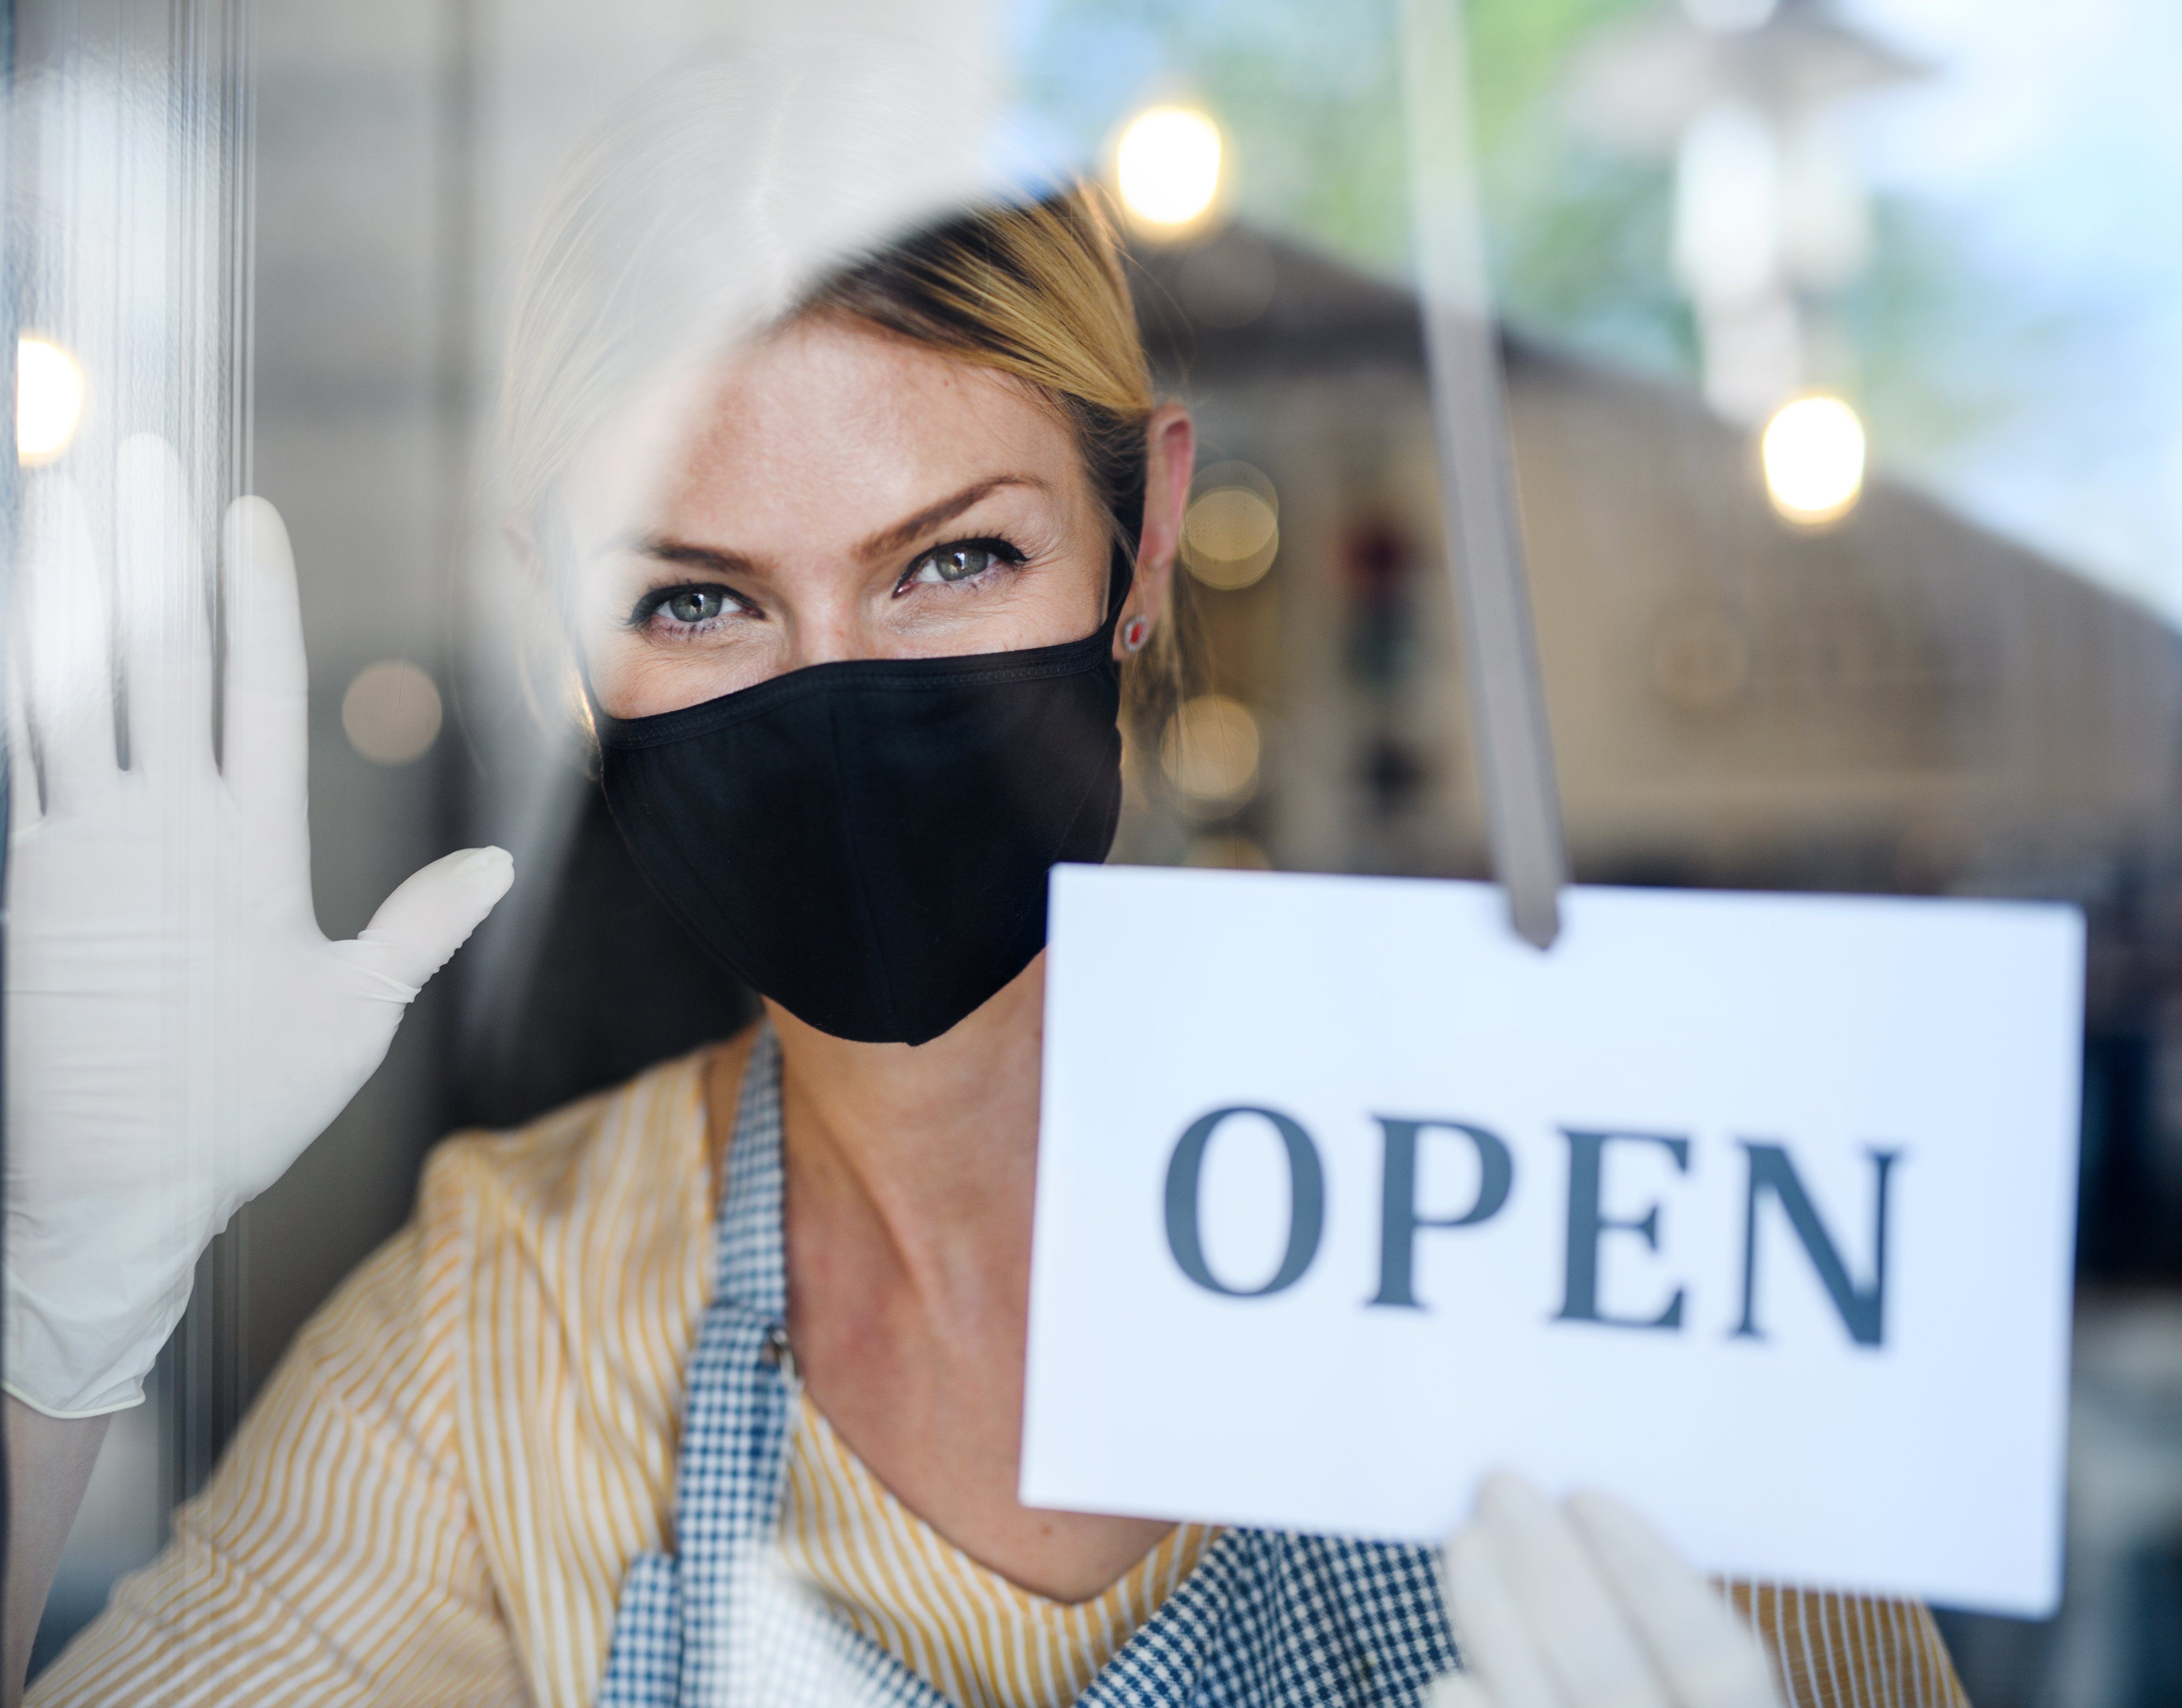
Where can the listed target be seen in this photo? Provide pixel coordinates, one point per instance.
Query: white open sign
(1755, 1210)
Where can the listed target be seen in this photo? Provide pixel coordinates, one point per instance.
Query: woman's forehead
(826, 386)
(830, 423)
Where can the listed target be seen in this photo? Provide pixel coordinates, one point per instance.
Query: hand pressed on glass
(178, 1027)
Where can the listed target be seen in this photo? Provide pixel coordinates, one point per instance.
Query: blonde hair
(1038, 291)
(740, 195)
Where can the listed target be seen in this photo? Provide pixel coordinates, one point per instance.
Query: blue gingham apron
(1267, 1620)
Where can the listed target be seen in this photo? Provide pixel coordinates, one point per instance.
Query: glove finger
(1578, 1625)
(266, 736)
(429, 917)
(166, 628)
(1458, 1690)
(64, 645)
(1495, 1638)
(1708, 1659)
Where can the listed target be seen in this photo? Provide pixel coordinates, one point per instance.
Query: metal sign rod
(1477, 479)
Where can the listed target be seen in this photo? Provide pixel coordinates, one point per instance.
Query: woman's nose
(828, 631)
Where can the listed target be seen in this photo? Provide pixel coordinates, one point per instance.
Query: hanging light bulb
(48, 399)
(1167, 167)
(1814, 451)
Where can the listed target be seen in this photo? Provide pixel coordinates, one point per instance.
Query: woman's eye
(964, 561)
(695, 604)
(954, 563)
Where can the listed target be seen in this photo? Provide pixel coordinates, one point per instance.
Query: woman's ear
(522, 543)
(1171, 456)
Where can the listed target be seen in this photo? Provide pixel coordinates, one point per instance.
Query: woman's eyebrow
(887, 540)
(696, 557)
(908, 531)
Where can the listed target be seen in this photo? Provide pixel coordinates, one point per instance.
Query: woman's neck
(931, 1148)
(909, 1177)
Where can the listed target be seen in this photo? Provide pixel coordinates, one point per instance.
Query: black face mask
(866, 843)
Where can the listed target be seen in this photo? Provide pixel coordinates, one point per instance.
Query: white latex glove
(178, 1030)
(1584, 1605)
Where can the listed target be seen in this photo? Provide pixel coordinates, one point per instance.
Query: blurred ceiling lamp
(1232, 530)
(391, 712)
(48, 399)
(1166, 168)
(1770, 207)
(1209, 751)
(1727, 223)
(1814, 451)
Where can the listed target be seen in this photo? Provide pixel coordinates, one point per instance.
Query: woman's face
(847, 494)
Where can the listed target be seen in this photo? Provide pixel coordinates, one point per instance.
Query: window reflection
(1841, 397)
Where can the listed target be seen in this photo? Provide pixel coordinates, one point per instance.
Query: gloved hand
(1585, 1606)
(178, 1030)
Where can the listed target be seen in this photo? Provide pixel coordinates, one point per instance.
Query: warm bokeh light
(1209, 751)
(1814, 454)
(1167, 167)
(1233, 529)
(48, 399)
(391, 712)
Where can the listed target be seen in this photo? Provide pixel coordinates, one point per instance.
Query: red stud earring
(1135, 632)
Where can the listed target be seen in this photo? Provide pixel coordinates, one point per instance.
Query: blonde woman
(708, 1390)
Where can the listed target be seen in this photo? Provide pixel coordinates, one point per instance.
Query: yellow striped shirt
(436, 1498)
(967, 1632)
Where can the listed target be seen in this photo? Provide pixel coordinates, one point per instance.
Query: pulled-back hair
(1036, 291)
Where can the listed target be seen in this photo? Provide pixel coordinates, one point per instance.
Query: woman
(709, 1389)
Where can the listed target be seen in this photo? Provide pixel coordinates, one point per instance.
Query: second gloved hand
(178, 1028)
(1584, 1605)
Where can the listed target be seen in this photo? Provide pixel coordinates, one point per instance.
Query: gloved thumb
(431, 916)
(1708, 1656)
(1458, 1690)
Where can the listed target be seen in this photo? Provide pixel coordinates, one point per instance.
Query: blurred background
(1843, 354)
